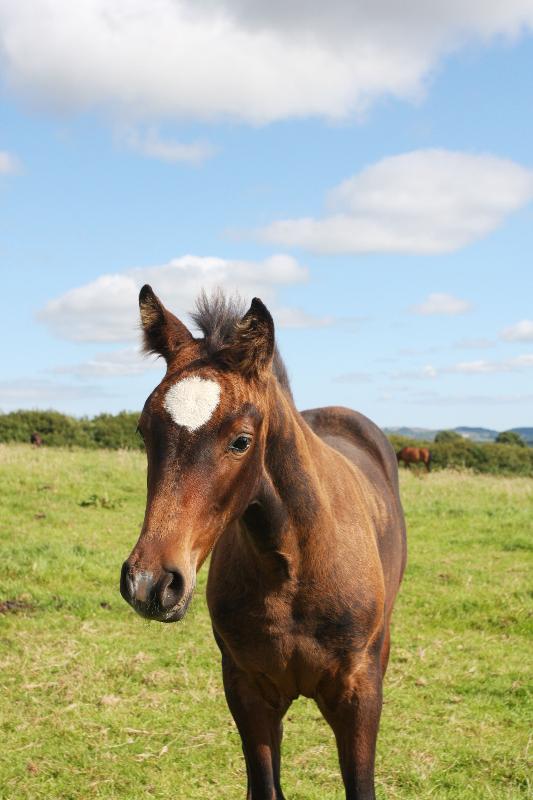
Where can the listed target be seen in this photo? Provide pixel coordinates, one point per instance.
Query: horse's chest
(273, 638)
(253, 627)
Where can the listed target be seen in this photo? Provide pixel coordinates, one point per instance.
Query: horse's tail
(429, 461)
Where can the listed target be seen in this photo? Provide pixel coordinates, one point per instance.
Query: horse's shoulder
(354, 435)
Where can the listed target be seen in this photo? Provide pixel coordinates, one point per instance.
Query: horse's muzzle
(164, 598)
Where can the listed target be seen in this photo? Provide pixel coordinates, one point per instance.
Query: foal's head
(204, 432)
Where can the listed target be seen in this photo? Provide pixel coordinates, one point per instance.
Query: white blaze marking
(191, 401)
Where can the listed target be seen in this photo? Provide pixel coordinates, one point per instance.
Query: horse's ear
(163, 332)
(252, 347)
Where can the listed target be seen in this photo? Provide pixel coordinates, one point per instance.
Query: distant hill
(525, 433)
(475, 434)
(426, 434)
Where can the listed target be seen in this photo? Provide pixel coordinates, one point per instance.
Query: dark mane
(217, 316)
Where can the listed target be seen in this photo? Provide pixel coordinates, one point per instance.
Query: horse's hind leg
(385, 651)
(354, 716)
(259, 724)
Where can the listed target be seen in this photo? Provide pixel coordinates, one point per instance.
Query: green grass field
(95, 702)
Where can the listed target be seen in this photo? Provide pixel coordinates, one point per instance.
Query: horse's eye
(240, 444)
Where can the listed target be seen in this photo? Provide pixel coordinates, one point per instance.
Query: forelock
(217, 317)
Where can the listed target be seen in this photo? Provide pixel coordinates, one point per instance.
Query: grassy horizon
(97, 703)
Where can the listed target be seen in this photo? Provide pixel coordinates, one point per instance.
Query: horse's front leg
(353, 711)
(260, 727)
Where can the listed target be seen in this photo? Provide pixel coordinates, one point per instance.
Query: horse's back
(358, 439)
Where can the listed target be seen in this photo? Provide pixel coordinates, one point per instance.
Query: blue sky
(372, 182)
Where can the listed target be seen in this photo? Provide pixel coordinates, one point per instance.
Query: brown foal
(302, 515)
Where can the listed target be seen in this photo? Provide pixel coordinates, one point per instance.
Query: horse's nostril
(136, 587)
(172, 589)
(126, 583)
(152, 597)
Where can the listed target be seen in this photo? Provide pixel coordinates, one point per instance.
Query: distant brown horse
(303, 518)
(415, 455)
(36, 439)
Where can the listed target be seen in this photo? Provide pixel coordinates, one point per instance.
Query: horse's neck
(291, 505)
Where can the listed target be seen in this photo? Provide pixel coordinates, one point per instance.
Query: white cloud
(101, 311)
(519, 362)
(298, 318)
(42, 393)
(111, 364)
(106, 309)
(419, 351)
(151, 145)
(473, 343)
(442, 303)
(425, 201)
(9, 164)
(354, 377)
(483, 367)
(250, 61)
(521, 332)
(427, 372)
(480, 400)
(479, 367)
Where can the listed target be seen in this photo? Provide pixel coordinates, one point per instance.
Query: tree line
(112, 431)
(507, 455)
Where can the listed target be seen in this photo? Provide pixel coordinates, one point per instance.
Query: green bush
(448, 436)
(112, 431)
(460, 453)
(116, 431)
(510, 437)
